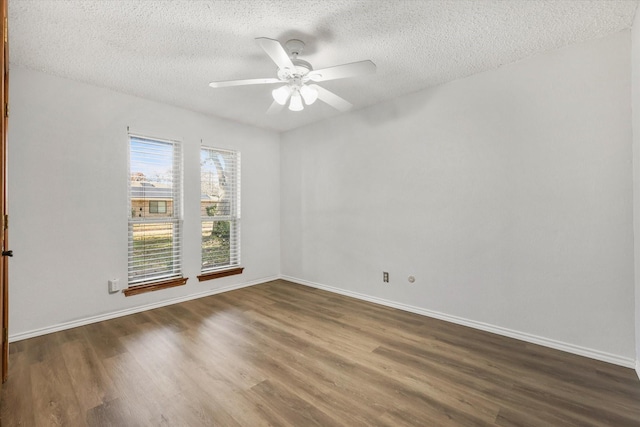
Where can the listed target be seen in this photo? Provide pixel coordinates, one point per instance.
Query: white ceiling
(169, 51)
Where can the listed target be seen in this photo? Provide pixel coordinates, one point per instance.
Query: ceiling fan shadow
(403, 106)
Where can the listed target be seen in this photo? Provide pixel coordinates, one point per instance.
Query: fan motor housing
(302, 68)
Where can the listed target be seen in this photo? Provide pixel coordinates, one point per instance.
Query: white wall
(68, 152)
(508, 194)
(635, 78)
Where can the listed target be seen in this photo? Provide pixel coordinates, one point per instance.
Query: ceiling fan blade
(275, 108)
(274, 49)
(342, 71)
(332, 99)
(244, 82)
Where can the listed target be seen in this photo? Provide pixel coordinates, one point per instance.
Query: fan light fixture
(296, 102)
(309, 94)
(281, 95)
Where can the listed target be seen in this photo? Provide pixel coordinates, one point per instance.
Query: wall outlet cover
(114, 285)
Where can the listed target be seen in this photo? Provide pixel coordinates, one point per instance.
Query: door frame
(4, 242)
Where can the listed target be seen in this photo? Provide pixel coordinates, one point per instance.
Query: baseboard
(638, 367)
(522, 336)
(128, 311)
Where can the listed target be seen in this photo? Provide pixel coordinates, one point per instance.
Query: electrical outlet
(114, 285)
(385, 277)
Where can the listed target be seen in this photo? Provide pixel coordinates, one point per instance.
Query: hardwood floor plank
(90, 382)
(244, 410)
(104, 339)
(282, 404)
(41, 348)
(226, 353)
(280, 354)
(191, 409)
(140, 399)
(16, 407)
(52, 394)
(109, 414)
(512, 417)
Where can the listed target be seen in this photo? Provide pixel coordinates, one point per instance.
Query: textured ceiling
(169, 51)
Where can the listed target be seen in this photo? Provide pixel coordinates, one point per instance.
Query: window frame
(173, 276)
(233, 216)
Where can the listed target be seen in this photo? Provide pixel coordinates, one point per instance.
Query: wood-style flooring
(280, 354)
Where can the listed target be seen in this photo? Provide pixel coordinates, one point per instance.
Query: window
(155, 220)
(220, 209)
(157, 206)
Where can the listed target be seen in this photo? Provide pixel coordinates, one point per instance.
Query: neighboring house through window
(220, 208)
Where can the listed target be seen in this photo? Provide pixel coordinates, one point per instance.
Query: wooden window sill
(220, 273)
(156, 286)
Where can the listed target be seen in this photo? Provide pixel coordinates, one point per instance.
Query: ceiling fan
(298, 77)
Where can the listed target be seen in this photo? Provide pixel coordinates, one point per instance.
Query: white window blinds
(220, 208)
(154, 210)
